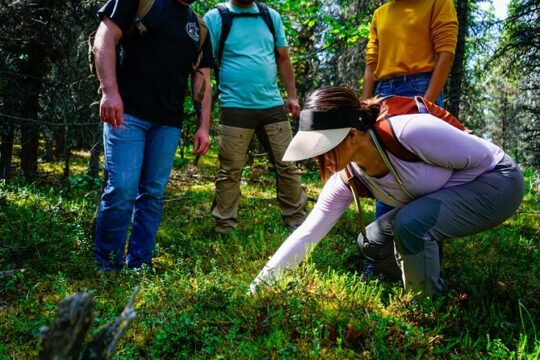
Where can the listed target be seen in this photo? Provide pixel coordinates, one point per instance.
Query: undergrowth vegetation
(195, 303)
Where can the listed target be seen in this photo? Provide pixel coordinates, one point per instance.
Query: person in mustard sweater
(410, 52)
(411, 49)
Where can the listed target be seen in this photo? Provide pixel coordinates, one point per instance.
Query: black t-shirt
(153, 68)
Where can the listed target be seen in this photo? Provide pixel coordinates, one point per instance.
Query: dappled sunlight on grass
(195, 303)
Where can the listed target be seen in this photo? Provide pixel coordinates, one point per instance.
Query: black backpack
(226, 23)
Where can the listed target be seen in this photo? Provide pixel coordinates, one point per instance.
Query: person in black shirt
(143, 79)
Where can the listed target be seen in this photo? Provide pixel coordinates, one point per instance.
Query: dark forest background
(49, 100)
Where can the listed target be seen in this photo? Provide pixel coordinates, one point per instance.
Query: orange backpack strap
(386, 136)
(358, 190)
(393, 105)
(439, 112)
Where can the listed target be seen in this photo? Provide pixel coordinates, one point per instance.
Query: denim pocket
(418, 85)
(383, 88)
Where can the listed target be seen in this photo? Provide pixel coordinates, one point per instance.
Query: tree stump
(64, 338)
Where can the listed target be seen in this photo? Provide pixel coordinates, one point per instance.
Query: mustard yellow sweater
(406, 35)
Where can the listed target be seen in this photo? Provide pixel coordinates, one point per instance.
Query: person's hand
(252, 289)
(201, 142)
(111, 108)
(293, 107)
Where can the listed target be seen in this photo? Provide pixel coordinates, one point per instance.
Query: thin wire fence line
(42, 122)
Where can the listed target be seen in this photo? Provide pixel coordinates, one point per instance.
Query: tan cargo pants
(236, 130)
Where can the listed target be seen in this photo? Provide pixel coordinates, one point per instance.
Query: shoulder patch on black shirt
(192, 30)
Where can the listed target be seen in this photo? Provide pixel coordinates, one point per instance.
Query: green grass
(195, 305)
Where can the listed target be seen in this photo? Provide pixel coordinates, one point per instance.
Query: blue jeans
(138, 160)
(406, 85)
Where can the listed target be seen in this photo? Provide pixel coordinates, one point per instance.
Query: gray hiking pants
(237, 128)
(405, 241)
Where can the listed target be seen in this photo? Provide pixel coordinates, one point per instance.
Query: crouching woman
(458, 185)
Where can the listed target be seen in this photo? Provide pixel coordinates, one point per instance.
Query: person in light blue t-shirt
(250, 56)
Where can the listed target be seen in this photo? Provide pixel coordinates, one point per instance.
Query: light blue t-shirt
(248, 70)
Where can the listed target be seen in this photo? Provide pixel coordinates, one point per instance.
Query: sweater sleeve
(444, 26)
(372, 47)
(333, 201)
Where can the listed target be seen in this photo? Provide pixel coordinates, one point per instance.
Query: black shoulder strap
(267, 17)
(265, 13)
(226, 23)
(142, 10)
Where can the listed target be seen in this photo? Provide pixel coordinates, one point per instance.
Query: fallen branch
(8, 273)
(528, 212)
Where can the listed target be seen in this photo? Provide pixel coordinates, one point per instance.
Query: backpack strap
(439, 112)
(203, 35)
(358, 189)
(389, 166)
(226, 24)
(267, 17)
(142, 9)
(227, 19)
(385, 134)
(393, 105)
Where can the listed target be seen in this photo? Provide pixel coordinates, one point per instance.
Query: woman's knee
(365, 248)
(374, 249)
(409, 233)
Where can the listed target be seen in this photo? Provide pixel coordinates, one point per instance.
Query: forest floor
(195, 303)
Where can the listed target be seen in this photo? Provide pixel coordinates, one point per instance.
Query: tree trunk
(67, 163)
(29, 150)
(36, 67)
(65, 337)
(48, 155)
(59, 141)
(504, 112)
(456, 75)
(6, 151)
